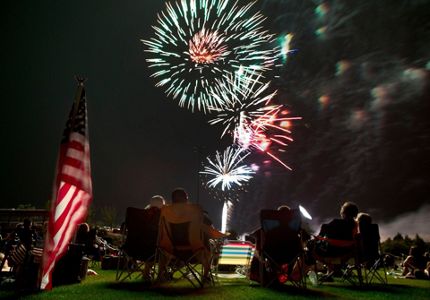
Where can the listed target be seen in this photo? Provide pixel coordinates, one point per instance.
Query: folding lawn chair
(370, 256)
(17, 256)
(337, 252)
(22, 264)
(280, 249)
(183, 248)
(234, 259)
(139, 248)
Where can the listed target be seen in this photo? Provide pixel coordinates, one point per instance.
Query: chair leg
(261, 271)
(302, 266)
(374, 274)
(359, 274)
(120, 267)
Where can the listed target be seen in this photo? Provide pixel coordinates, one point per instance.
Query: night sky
(359, 78)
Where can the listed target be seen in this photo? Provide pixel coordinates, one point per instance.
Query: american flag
(72, 188)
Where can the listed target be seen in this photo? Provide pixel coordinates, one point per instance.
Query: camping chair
(237, 256)
(342, 253)
(139, 248)
(24, 266)
(15, 257)
(347, 262)
(370, 256)
(280, 248)
(183, 245)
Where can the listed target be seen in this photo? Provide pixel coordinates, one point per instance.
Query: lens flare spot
(324, 101)
(322, 9)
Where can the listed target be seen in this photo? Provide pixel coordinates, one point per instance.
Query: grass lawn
(104, 286)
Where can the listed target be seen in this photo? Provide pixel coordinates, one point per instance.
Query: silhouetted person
(344, 228)
(415, 264)
(180, 205)
(156, 201)
(26, 234)
(82, 234)
(154, 209)
(276, 238)
(179, 195)
(364, 220)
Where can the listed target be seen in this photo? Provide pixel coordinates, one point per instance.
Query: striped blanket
(237, 253)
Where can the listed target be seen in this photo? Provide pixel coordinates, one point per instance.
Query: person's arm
(206, 219)
(408, 266)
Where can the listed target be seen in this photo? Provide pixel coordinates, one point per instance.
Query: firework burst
(268, 133)
(226, 169)
(198, 43)
(248, 116)
(244, 99)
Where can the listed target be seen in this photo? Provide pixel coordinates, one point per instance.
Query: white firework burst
(226, 169)
(244, 99)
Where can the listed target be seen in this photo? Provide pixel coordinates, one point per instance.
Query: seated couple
(184, 232)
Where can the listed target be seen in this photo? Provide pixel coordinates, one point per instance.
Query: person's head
(157, 201)
(179, 195)
(82, 233)
(27, 223)
(416, 251)
(284, 208)
(349, 210)
(83, 228)
(364, 219)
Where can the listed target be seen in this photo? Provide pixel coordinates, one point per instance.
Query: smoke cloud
(410, 223)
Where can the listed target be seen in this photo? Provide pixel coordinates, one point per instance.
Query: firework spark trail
(226, 170)
(261, 136)
(247, 115)
(198, 44)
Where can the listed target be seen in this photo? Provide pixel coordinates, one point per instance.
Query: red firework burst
(207, 47)
(267, 133)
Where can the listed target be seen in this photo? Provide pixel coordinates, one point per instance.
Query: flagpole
(81, 80)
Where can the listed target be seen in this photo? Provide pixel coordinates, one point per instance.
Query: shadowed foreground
(104, 286)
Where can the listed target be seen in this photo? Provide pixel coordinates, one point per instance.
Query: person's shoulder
(206, 219)
(342, 222)
(256, 232)
(334, 222)
(154, 210)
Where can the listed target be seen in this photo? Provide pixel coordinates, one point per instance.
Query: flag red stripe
(70, 161)
(63, 190)
(75, 203)
(74, 181)
(66, 211)
(76, 145)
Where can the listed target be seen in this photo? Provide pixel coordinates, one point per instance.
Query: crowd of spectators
(346, 228)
